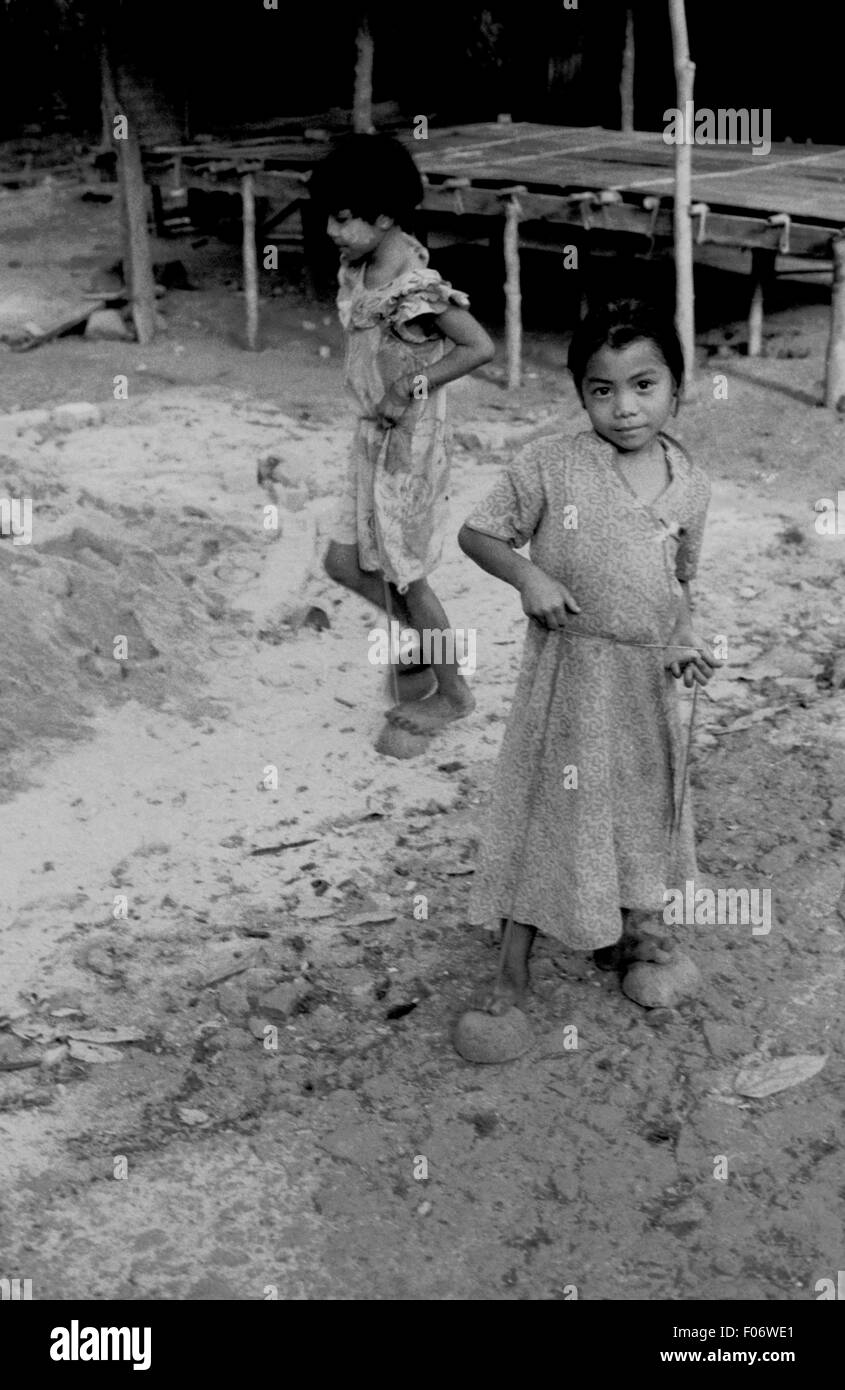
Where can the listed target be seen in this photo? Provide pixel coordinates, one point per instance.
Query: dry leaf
(107, 1035)
(765, 1078)
(367, 919)
(34, 1031)
(93, 1052)
(747, 721)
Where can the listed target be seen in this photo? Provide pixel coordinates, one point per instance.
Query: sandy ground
(225, 1009)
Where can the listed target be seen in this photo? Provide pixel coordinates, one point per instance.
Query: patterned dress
(395, 503)
(584, 789)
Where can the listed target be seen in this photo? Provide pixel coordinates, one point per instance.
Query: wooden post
(762, 276)
(834, 391)
(626, 81)
(138, 265)
(682, 222)
(110, 108)
(362, 100)
(108, 97)
(513, 296)
(137, 260)
(250, 260)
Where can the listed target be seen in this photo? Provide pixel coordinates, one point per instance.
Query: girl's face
(628, 394)
(354, 237)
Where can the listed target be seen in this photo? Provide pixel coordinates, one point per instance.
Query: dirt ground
(233, 936)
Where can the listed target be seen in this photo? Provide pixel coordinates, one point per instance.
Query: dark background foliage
(207, 66)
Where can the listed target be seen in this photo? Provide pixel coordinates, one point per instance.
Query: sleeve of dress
(689, 546)
(424, 292)
(511, 511)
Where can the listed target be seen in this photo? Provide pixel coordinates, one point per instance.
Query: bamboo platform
(467, 167)
(788, 202)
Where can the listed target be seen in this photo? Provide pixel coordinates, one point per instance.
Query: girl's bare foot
(509, 992)
(433, 713)
(413, 683)
(654, 970)
(513, 983)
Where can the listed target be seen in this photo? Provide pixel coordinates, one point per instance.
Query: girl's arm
(542, 597)
(692, 660)
(473, 347)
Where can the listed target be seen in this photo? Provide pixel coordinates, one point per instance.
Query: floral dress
(582, 803)
(395, 502)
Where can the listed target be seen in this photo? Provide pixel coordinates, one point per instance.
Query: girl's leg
(513, 980)
(342, 566)
(516, 980)
(416, 681)
(454, 699)
(637, 942)
(643, 939)
(654, 969)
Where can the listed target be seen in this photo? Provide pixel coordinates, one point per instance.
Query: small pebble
(193, 1117)
(424, 1208)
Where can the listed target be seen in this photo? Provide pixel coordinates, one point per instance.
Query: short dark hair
(618, 323)
(372, 176)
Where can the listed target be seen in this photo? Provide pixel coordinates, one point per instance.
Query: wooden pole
(250, 259)
(762, 276)
(682, 222)
(513, 295)
(834, 393)
(109, 106)
(141, 282)
(626, 81)
(362, 100)
(108, 97)
(137, 260)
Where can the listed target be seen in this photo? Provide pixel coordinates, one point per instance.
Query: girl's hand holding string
(546, 600)
(394, 402)
(689, 658)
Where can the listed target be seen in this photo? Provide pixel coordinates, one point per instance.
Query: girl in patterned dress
(579, 835)
(408, 334)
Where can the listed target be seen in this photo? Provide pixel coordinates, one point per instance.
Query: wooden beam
(250, 260)
(724, 226)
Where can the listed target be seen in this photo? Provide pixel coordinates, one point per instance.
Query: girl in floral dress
(579, 842)
(408, 334)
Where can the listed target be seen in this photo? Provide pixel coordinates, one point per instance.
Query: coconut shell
(661, 986)
(394, 742)
(487, 1038)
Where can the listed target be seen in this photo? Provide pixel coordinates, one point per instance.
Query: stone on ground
(107, 323)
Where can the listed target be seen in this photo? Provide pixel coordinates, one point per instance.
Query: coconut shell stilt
(489, 1038)
(394, 742)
